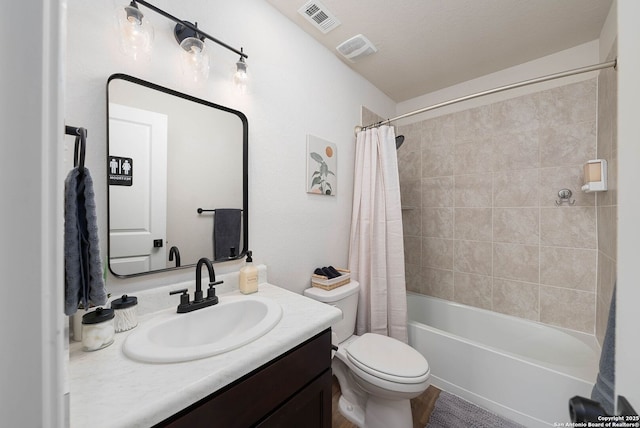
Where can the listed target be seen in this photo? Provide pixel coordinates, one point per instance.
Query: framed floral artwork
(322, 166)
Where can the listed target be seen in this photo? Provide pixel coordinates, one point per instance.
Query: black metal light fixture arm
(190, 26)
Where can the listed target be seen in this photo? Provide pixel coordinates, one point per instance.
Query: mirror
(177, 170)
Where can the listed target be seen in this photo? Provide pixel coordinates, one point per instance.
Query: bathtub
(523, 370)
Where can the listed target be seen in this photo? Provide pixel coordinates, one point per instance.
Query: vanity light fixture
(188, 35)
(136, 32)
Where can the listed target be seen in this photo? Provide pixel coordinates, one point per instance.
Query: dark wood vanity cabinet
(293, 390)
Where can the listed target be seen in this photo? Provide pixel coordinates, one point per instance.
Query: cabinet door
(259, 395)
(310, 408)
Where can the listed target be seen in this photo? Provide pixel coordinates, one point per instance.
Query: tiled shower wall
(479, 191)
(606, 202)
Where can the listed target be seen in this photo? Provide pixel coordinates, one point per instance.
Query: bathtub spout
(585, 410)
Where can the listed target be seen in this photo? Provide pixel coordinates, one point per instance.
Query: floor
(421, 407)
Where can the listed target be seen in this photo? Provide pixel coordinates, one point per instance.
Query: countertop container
(126, 313)
(97, 329)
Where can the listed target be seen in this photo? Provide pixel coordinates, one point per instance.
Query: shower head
(399, 141)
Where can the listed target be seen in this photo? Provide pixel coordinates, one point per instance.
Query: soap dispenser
(249, 276)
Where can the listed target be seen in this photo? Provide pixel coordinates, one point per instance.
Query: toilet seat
(389, 359)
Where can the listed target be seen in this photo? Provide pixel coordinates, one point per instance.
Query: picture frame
(322, 166)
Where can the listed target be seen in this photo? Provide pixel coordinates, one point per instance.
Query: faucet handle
(211, 292)
(184, 298)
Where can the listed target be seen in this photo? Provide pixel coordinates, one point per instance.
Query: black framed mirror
(177, 179)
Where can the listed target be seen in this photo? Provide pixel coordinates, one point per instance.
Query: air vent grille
(312, 10)
(356, 47)
(318, 15)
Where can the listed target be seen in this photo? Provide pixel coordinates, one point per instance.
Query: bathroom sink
(173, 337)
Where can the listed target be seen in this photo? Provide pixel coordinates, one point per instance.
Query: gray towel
(226, 232)
(82, 263)
(603, 390)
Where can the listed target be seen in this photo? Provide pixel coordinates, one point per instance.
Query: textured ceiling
(426, 45)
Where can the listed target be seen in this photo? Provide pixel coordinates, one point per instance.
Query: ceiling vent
(318, 15)
(356, 47)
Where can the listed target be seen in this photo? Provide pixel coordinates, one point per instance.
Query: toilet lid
(388, 358)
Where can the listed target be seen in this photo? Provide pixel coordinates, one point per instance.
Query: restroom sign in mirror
(120, 171)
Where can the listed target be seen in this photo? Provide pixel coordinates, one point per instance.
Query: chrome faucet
(199, 301)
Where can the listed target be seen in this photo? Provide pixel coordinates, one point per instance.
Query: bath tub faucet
(199, 301)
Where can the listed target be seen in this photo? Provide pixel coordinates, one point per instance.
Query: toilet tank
(344, 298)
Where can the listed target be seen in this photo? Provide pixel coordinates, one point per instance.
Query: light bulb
(240, 77)
(195, 60)
(136, 33)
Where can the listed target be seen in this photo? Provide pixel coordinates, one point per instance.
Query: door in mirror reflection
(138, 212)
(170, 155)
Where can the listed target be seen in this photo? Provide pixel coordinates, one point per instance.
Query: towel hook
(565, 196)
(80, 149)
(80, 145)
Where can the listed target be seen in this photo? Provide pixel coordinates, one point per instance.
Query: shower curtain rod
(495, 90)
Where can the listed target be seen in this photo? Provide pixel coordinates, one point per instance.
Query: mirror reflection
(177, 175)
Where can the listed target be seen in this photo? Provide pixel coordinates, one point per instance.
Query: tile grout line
(539, 306)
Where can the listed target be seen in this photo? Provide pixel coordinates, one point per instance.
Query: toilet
(378, 375)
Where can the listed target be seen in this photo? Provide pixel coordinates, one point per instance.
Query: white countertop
(110, 390)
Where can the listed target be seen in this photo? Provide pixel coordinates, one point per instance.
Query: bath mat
(451, 411)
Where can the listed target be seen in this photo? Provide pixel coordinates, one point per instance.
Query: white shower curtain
(376, 250)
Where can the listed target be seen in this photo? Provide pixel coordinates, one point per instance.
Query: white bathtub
(523, 370)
